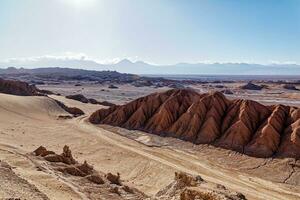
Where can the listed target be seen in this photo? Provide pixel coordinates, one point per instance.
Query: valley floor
(144, 162)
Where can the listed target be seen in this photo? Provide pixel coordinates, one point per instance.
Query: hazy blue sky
(158, 31)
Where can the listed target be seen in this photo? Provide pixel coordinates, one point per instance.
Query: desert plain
(145, 162)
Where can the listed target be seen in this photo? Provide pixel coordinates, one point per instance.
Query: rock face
(17, 88)
(241, 125)
(21, 88)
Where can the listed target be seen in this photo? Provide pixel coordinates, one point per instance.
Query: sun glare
(80, 4)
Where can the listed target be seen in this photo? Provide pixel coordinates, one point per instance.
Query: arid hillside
(20, 88)
(147, 163)
(17, 88)
(245, 126)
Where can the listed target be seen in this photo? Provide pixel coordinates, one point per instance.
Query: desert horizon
(46, 113)
(149, 100)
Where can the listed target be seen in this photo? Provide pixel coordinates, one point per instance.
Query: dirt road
(27, 123)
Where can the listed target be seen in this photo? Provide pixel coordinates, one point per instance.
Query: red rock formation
(19, 88)
(241, 125)
(216, 105)
(266, 140)
(245, 117)
(290, 143)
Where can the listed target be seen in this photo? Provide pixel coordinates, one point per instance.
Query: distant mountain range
(139, 67)
(57, 74)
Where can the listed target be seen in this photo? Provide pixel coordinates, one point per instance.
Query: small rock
(114, 179)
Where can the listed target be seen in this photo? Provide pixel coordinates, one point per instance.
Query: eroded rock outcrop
(20, 88)
(240, 123)
(78, 97)
(290, 143)
(94, 184)
(66, 157)
(68, 164)
(267, 138)
(188, 187)
(83, 99)
(72, 110)
(245, 126)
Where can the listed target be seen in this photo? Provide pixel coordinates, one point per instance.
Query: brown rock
(42, 151)
(21, 88)
(70, 166)
(189, 194)
(17, 88)
(54, 158)
(95, 179)
(266, 140)
(72, 170)
(86, 168)
(114, 179)
(241, 128)
(185, 180)
(290, 145)
(78, 97)
(242, 125)
(67, 156)
(216, 105)
(72, 110)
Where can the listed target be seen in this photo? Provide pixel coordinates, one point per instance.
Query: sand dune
(29, 106)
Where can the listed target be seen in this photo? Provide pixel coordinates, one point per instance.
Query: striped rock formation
(241, 125)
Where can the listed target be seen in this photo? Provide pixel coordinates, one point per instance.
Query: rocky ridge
(20, 88)
(241, 125)
(72, 110)
(83, 99)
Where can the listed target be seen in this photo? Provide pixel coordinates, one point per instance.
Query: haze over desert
(149, 100)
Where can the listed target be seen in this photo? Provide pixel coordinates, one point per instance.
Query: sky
(155, 31)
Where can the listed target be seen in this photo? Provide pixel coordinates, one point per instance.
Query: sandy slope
(28, 122)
